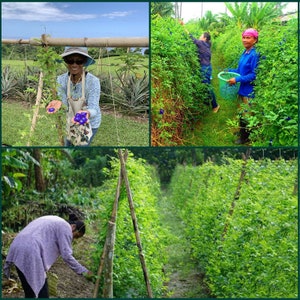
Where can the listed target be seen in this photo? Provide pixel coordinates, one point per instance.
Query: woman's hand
(79, 120)
(231, 81)
(53, 106)
(89, 275)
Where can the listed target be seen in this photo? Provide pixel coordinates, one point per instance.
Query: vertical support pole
(108, 249)
(59, 122)
(36, 111)
(237, 192)
(135, 224)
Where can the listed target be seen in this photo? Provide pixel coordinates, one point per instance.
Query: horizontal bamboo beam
(83, 42)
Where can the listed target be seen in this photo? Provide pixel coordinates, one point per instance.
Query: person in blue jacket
(247, 69)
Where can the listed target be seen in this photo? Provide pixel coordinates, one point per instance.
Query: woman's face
(202, 37)
(248, 41)
(76, 233)
(75, 63)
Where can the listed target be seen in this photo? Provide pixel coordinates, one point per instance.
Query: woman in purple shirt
(204, 53)
(36, 248)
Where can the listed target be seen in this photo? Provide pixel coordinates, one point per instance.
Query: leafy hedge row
(128, 274)
(273, 118)
(256, 256)
(177, 94)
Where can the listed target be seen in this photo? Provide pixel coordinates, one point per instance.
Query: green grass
(213, 129)
(114, 131)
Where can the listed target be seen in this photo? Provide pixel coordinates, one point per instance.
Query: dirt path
(186, 280)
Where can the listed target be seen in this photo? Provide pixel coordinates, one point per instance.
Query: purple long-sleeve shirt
(204, 52)
(35, 249)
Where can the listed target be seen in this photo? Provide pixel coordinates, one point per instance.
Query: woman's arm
(65, 248)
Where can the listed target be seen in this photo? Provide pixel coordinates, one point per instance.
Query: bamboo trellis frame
(82, 42)
(106, 260)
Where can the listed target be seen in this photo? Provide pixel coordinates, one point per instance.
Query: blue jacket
(247, 69)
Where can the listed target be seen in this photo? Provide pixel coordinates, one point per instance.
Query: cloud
(38, 11)
(116, 14)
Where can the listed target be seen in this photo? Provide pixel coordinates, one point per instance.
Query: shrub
(275, 106)
(177, 94)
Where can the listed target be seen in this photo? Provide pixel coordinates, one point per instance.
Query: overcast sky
(23, 20)
(192, 10)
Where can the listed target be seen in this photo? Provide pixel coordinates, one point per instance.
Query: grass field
(114, 130)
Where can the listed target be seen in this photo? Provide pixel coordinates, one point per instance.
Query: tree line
(29, 52)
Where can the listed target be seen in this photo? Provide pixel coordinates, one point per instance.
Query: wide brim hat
(81, 51)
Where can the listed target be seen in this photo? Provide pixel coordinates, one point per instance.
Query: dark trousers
(244, 132)
(206, 72)
(28, 290)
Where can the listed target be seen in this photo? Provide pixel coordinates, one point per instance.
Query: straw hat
(78, 50)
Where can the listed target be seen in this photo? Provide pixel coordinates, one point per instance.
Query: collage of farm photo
(150, 150)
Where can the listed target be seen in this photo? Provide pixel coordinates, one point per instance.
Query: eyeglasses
(73, 61)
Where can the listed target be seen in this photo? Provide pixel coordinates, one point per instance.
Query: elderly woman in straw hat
(79, 90)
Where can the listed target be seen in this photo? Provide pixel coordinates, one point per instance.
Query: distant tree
(208, 21)
(254, 14)
(164, 9)
(40, 184)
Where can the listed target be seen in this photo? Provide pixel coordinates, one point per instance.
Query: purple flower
(161, 111)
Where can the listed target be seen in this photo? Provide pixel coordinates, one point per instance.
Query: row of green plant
(273, 114)
(177, 94)
(242, 230)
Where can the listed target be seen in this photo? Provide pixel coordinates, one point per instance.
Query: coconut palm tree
(208, 21)
(164, 9)
(254, 14)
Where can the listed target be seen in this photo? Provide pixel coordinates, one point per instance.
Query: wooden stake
(108, 249)
(135, 224)
(237, 192)
(36, 111)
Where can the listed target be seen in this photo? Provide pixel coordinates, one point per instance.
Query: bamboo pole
(237, 192)
(36, 111)
(135, 224)
(83, 42)
(108, 261)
